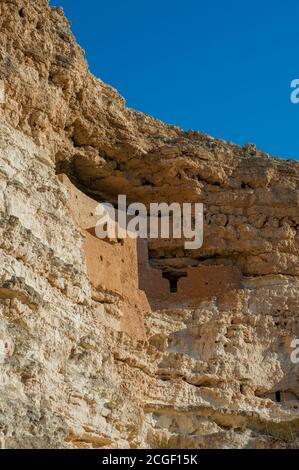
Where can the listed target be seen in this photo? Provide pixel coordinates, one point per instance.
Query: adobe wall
(123, 267)
(200, 283)
(81, 206)
(112, 266)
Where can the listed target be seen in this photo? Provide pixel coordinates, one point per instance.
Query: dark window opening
(22, 13)
(173, 285)
(146, 182)
(173, 279)
(277, 397)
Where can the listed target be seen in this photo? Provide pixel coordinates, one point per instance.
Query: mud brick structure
(135, 343)
(123, 266)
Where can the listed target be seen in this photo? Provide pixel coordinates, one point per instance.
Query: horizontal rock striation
(83, 364)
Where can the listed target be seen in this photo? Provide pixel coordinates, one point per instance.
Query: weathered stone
(96, 352)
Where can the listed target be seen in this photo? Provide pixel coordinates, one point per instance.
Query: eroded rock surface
(84, 364)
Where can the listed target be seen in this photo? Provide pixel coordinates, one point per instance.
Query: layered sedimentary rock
(90, 355)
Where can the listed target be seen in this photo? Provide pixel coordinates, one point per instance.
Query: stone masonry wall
(86, 366)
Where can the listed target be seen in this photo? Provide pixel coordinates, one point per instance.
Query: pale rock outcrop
(74, 372)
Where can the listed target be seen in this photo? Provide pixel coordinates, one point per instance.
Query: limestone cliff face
(88, 359)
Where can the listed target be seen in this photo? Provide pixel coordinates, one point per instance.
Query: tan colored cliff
(94, 350)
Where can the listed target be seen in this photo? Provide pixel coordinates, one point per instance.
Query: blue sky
(223, 67)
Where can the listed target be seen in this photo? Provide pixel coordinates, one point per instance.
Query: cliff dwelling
(135, 343)
(123, 266)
